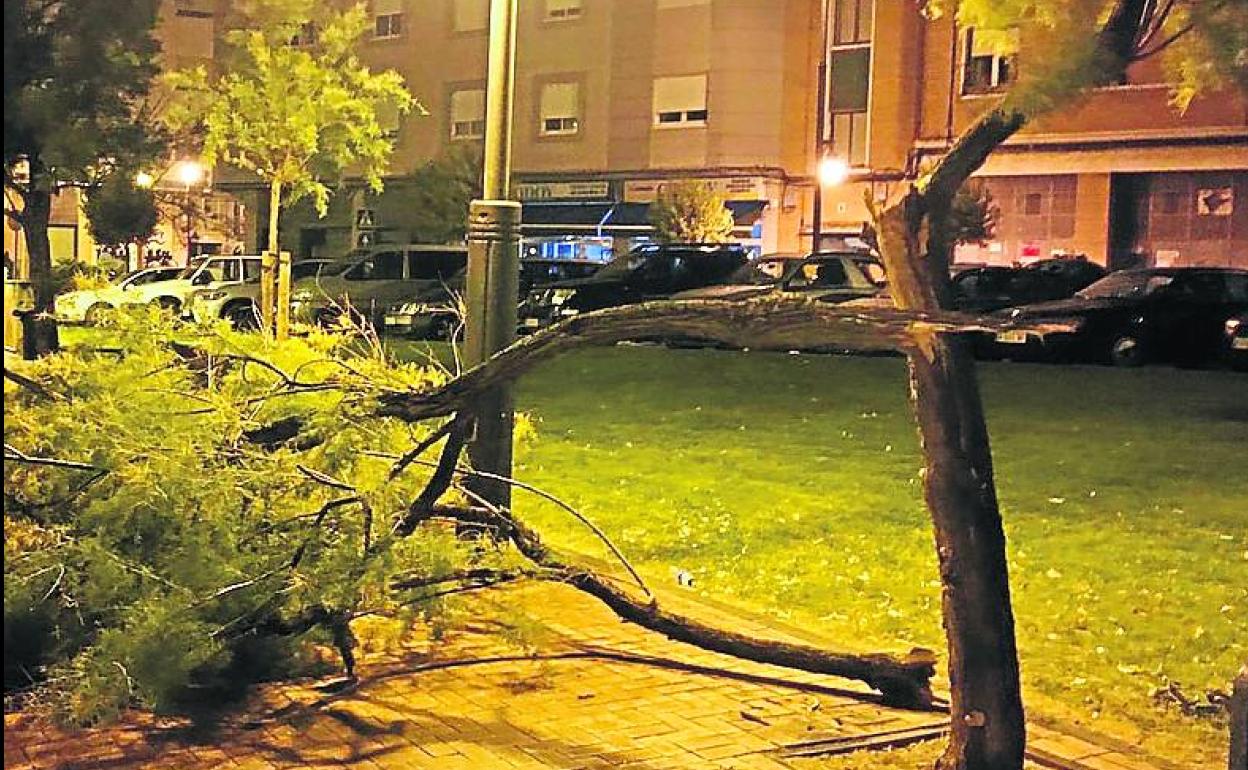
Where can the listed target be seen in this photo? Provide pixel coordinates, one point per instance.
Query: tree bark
(268, 270)
(36, 214)
(775, 324)
(986, 711)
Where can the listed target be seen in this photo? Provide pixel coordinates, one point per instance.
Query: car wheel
(98, 313)
(242, 316)
(1127, 350)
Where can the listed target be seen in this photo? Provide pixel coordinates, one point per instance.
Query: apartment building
(1120, 176)
(615, 98)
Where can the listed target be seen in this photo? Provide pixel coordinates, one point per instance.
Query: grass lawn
(789, 484)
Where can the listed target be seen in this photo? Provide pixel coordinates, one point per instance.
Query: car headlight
(301, 296)
(1232, 326)
(560, 296)
(210, 296)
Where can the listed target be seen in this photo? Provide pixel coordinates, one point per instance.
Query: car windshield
(1126, 285)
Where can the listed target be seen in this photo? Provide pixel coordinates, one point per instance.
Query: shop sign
(735, 188)
(563, 191)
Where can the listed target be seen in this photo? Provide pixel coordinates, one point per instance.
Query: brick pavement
(594, 693)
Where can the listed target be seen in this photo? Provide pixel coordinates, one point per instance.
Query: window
(680, 101)
(383, 266)
(849, 79)
(680, 3)
(1033, 204)
(562, 10)
(471, 15)
(559, 109)
(990, 60)
(251, 270)
(387, 19)
(852, 22)
(468, 114)
(435, 265)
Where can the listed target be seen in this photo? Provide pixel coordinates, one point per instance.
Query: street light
(493, 263)
(832, 172)
(189, 173)
(821, 99)
(144, 180)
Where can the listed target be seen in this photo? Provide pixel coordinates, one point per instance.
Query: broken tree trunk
(986, 712)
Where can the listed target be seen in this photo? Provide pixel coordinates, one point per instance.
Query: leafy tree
(1067, 47)
(298, 116)
(690, 212)
(121, 213)
(433, 205)
(76, 76)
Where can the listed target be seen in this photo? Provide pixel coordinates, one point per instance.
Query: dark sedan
(984, 289)
(649, 272)
(1133, 317)
(825, 276)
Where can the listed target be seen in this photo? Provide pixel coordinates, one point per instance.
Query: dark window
(251, 270)
(384, 266)
(851, 72)
(989, 60)
(231, 270)
(1237, 287)
(388, 25)
(1171, 202)
(1033, 204)
(435, 265)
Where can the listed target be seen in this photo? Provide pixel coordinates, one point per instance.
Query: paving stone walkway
(593, 693)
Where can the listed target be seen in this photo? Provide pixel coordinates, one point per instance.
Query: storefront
(596, 219)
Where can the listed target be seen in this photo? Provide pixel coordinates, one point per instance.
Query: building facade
(615, 98)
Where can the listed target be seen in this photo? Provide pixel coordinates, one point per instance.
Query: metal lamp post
(493, 262)
(189, 173)
(821, 99)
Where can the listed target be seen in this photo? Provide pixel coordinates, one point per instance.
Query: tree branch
(773, 324)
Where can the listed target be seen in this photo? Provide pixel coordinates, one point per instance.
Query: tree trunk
(36, 213)
(986, 711)
(268, 272)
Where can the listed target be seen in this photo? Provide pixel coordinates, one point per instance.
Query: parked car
(984, 289)
(1074, 272)
(535, 272)
(1136, 316)
(1236, 330)
(825, 276)
(653, 271)
(377, 279)
(134, 288)
(238, 302)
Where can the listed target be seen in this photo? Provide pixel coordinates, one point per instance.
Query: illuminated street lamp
(189, 173)
(144, 180)
(833, 171)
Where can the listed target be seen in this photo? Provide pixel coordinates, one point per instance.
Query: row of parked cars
(1185, 315)
(1191, 316)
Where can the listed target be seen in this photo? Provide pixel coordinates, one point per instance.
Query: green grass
(790, 484)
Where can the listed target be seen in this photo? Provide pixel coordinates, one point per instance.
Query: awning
(571, 218)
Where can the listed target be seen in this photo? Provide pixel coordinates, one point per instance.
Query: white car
(86, 305)
(169, 291)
